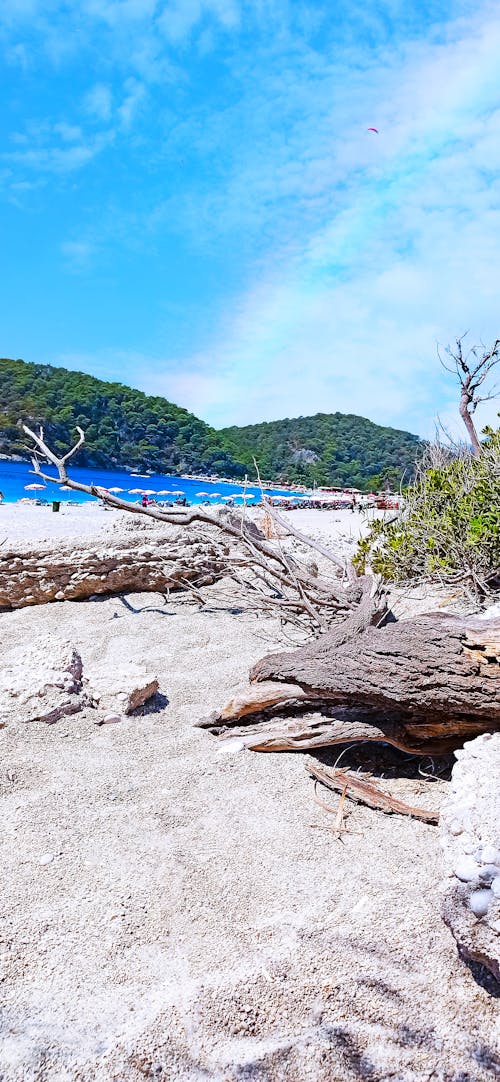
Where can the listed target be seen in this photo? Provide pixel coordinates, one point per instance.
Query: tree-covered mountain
(122, 427)
(126, 428)
(329, 449)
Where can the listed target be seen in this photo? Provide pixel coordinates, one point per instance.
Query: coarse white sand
(25, 522)
(199, 920)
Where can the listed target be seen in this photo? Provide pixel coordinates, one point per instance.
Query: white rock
(495, 886)
(46, 859)
(41, 681)
(487, 873)
(466, 869)
(490, 855)
(474, 854)
(480, 901)
(123, 689)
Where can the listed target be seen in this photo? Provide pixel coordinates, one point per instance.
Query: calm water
(14, 476)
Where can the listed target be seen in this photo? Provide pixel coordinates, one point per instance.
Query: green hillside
(127, 428)
(329, 448)
(122, 427)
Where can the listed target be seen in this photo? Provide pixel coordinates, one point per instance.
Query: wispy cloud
(227, 151)
(98, 101)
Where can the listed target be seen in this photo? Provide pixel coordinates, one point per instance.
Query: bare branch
(472, 369)
(290, 584)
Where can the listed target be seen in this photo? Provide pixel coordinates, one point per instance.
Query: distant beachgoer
(2, 497)
(145, 501)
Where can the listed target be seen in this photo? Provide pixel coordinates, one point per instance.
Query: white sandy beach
(20, 522)
(198, 919)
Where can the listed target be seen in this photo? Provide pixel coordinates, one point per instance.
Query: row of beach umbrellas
(181, 492)
(161, 492)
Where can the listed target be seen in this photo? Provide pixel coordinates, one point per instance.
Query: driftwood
(362, 788)
(423, 685)
(74, 570)
(277, 580)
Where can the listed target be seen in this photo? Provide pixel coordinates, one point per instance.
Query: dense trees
(329, 448)
(124, 427)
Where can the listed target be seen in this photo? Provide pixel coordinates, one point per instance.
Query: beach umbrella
(248, 496)
(227, 497)
(135, 491)
(164, 492)
(33, 486)
(116, 489)
(203, 494)
(178, 492)
(65, 488)
(149, 492)
(215, 495)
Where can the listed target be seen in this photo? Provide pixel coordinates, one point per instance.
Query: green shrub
(450, 527)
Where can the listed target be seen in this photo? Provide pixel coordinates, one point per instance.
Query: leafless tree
(472, 367)
(276, 579)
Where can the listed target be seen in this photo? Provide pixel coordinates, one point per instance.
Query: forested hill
(122, 427)
(127, 428)
(329, 448)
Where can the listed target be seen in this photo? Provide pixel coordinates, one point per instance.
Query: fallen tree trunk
(424, 685)
(65, 571)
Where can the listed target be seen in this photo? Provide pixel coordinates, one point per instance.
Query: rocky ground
(172, 911)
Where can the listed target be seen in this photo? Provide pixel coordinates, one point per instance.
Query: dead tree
(472, 368)
(276, 580)
(423, 685)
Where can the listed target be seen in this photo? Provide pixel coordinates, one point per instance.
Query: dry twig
(289, 587)
(361, 788)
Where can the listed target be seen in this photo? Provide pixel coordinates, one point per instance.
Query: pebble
(46, 859)
(488, 872)
(495, 886)
(109, 719)
(479, 902)
(490, 855)
(466, 869)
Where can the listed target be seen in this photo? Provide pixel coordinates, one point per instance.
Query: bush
(450, 527)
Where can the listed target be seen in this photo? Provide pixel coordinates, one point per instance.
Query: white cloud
(57, 158)
(77, 254)
(98, 101)
(134, 98)
(179, 17)
(381, 247)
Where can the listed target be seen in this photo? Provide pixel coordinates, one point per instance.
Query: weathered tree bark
(423, 685)
(68, 571)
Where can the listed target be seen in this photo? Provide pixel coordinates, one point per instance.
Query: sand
(198, 919)
(24, 522)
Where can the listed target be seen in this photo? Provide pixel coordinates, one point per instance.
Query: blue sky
(191, 201)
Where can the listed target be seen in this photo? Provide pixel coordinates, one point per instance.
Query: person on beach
(145, 501)
(1, 497)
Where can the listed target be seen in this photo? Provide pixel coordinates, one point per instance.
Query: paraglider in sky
(373, 129)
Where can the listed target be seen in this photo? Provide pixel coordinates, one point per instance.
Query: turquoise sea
(15, 476)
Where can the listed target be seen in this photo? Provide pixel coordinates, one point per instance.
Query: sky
(191, 201)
